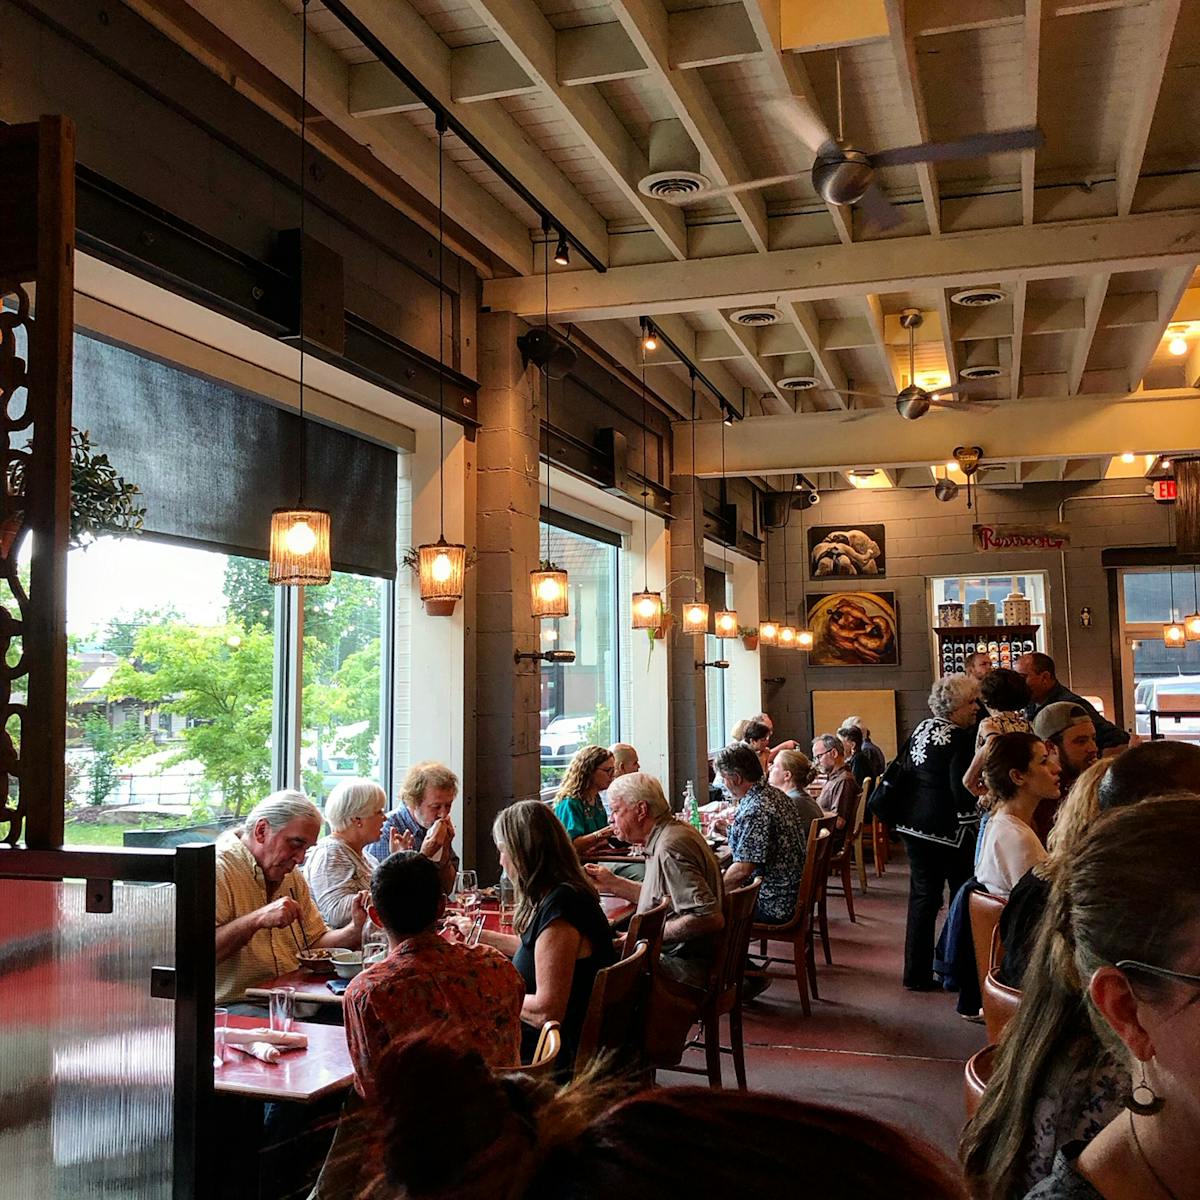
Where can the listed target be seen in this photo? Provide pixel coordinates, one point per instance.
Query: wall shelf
(1003, 643)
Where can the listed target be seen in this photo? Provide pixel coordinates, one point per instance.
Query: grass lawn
(77, 834)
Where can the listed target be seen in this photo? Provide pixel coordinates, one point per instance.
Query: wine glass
(466, 889)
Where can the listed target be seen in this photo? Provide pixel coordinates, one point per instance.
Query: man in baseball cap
(1068, 730)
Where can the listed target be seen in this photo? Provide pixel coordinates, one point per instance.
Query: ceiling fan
(913, 401)
(845, 175)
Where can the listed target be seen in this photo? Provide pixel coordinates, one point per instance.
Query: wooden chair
(648, 927)
(799, 930)
(881, 846)
(999, 1004)
(842, 861)
(614, 1024)
(724, 994)
(545, 1053)
(985, 913)
(976, 1076)
(860, 857)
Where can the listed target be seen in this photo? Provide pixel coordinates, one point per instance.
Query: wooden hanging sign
(990, 539)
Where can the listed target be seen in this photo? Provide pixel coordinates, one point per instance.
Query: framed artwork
(846, 552)
(853, 629)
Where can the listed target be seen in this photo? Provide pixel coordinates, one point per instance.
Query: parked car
(563, 736)
(1165, 694)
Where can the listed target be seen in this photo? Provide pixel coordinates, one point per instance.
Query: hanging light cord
(724, 505)
(303, 215)
(1195, 600)
(1171, 619)
(441, 299)
(645, 485)
(546, 324)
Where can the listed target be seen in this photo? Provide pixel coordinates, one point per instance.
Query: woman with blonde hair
(578, 805)
(562, 935)
(791, 772)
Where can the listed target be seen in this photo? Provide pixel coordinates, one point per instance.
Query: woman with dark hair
(1005, 695)
(1117, 959)
(516, 1139)
(1019, 774)
(562, 935)
(757, 735)
(578, 805)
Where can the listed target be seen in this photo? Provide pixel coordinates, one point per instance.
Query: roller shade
(212, 461)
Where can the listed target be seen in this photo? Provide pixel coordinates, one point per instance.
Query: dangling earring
(1143, 1099)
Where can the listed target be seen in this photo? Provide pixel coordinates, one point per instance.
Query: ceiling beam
(486, 72)
(271, 36)
(1083, 426)
(879, 332)
(1019, 303)
(648, 26)
(1172, 293)
(374, 92)
(1093, 303)
(1042, 251)
(403, 33)
(946, 321)
(530, 40)
(746, 340)
(596, 54)
(929, 17)
(913, 107)
(1161, 17)
(706, 37)
(1031, 51)
(825, 364)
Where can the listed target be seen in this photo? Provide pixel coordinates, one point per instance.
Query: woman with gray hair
(939, 817)
(336, 868)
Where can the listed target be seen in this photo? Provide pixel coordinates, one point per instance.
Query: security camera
(809, 498)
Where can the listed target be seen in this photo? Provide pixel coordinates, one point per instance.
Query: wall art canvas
(854, 629)
(846, 551)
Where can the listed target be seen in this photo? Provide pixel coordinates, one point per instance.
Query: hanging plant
(411, 558)
(103, 503)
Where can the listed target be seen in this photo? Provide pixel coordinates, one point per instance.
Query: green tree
(110, 747)
(219, 677)
(599, 730)
(119, 634)
(350, 698)
(251, 599)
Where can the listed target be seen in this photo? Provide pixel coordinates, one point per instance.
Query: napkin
(263, 1051)
(265, 1037)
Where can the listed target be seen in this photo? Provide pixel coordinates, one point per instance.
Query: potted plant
(435, 608)
(102, 502)
(749, 636)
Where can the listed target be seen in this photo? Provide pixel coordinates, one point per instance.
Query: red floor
(869, 1044)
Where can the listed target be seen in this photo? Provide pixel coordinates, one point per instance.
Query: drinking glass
(466, 888)
(220, 1025)
(508, 902)
(283, 1009)
(375, 946)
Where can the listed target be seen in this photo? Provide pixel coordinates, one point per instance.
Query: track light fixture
(562, 251)
(649, 341)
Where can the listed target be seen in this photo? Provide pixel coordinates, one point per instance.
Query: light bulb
(549, 589)
(726, 622)
(952, 466)
(695, 614)
(442, 568)
(768, 629)
(300, 537)
(804, 639)
(1165, 463)
(646, 607)
(1178, 346)
(1127, 457)
(650, 343)
(1193, 626)
(550, 635)
(787, 636)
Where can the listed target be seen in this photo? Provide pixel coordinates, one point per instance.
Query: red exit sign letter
(1165, 490)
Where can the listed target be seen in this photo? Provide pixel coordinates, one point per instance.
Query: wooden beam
(875, 320)
(913, 107)
(825, 365)
(1093, 302)
(926, 18)
(403, 33)
(1091, 426)
(530, 39)
(375, 92)
(646, 22)
(746, 340)
(1173, 296)
(846, 333)
(945, 320)
(997, 256)
(706, 37)
(1159, 30)
(1031, 51)
(486, 72)
(1019, 305)
(596, 54)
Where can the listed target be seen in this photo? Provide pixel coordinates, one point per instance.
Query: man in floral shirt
(768, 835)
(469, 995)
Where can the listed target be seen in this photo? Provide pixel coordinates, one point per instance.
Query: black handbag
(888, 801)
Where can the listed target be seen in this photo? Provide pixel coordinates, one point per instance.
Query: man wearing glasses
(840, 792)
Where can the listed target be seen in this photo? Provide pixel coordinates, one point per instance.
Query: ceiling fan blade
(965, 386)
(803, 121)
(877, 209)
(962, 405)
(747, 186)
(1029, 137)
(863, 395)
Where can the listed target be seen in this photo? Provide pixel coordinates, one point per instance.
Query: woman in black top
(940, 817)
(562, 935)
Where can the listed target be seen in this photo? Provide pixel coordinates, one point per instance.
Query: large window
(579, 701)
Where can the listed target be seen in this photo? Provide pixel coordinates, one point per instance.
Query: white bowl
(347, 963)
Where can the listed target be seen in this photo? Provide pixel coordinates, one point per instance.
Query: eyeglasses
(1131, 964)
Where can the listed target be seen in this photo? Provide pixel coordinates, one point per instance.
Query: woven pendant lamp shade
(548, 591)
(726, 623)
(647, 610)
(768, 634)
(440, 569)
(695, 617)
(299, 553)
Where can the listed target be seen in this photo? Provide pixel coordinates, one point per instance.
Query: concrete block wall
(925, 539)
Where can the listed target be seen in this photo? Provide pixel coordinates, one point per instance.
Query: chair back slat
(738, 910)
(1000, 1003)
(616, 1011)
(976, 1075)
(984, 910)
(648, 927)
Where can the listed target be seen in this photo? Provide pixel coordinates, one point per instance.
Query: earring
(1143, 1099)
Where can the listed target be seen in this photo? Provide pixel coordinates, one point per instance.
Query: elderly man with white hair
(336, 869)
(265, 913)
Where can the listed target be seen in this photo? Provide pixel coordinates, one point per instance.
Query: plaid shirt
(470, 995)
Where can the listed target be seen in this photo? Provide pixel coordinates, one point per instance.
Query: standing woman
(336, 868)
(563, 937)
(1005, 695)
(757, 735)
(938, 818)
(1019, 774)
(578, 805)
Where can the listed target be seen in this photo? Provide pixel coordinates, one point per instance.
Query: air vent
(756, 318)
(797, 383)
(979, 297)
(981, 371)
(673, 185)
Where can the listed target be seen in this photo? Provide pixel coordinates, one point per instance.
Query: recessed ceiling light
(1127, 457)
(1178, 346)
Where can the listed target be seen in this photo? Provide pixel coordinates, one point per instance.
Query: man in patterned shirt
(767, 837)
(469, 995)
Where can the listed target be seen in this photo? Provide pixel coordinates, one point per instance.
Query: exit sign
(1166, 491)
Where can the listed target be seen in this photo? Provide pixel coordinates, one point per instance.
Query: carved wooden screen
(37, 244)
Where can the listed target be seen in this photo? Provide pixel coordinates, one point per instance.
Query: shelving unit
(1003, 643)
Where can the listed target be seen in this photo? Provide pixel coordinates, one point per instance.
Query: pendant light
(299, 553)
(725, 623)
(695, 611)
(441, 565)
(548, 594)
(1174, 635)
(646, 606)
(1191, 623)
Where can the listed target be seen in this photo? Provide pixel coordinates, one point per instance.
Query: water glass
(283, 1009)
(466, 888)
(374, 947)
(220, 1025)
(508, 902)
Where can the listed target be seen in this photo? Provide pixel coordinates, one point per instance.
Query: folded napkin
(261, 1050)
(241, 1038)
